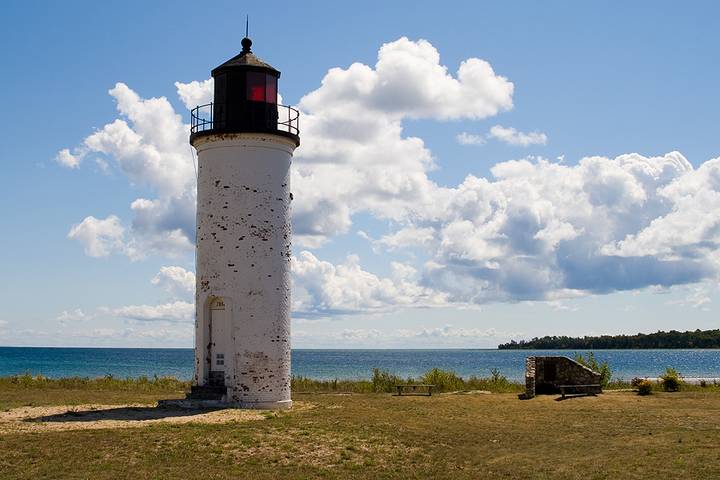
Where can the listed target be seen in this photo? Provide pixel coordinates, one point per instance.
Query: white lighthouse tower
(244, 142)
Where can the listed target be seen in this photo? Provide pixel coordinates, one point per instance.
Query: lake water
(345, 364)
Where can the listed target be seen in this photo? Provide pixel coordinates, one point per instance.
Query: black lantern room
(245, 100)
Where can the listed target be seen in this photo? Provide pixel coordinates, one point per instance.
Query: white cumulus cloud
(176, 280)
(465, 138)
(406, 237)
(541, 230)
(76, 315)
(195, 93)
(322, 288)
(532, 230)
(512, 136)
(99, 237)
(409, 81)
(446, 336)
(67, 159)
(177, 311)
(353, 156)
(508, 135)
(689, 228)
(149, 145)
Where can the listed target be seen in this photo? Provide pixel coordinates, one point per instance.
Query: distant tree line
(671, 339)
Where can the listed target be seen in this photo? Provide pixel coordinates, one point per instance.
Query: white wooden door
(220, 337)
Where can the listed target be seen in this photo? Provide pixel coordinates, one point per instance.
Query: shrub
(602, 368)
(384, 381)
(703, 384)
(444, 380)
(635, 382)
(644, 387)
(496, 377)
(670, 380)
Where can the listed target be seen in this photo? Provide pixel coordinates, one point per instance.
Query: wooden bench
(425, 390)
(588, 389)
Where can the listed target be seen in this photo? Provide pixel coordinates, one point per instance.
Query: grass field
(614, 435)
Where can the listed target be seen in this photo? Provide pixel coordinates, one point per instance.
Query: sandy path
(92, 416)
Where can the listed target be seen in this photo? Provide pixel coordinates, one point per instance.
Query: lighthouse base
(201, 404)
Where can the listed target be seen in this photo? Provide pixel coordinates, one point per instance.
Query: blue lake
(345, 364)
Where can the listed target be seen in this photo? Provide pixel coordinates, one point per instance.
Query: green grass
(360, 436)
(107, 383)
(36, 390)
(383, 381)
(29, 389)
(658, 387)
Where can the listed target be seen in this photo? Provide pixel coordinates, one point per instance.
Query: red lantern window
(256, 86)
(270, 89)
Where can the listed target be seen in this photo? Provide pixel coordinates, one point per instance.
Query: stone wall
(543, 375)
(530, 377)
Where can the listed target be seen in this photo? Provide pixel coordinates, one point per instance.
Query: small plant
(635, 382)
(670, 380)
(496, 376)
(703, 384)
(644, 387)
(602, 368)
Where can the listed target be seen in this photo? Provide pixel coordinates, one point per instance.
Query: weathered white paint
(243, 261)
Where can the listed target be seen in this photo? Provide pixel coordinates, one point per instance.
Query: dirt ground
(94, 416)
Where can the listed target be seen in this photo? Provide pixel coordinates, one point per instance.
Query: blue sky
(604, 81)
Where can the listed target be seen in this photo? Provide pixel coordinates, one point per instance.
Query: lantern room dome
(245, 100)
(245, 59)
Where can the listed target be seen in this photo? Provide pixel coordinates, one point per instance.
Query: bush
(644, 387)
(384, 381)
(602, 368)
(670, 380)
(635, 382)
(443, 380)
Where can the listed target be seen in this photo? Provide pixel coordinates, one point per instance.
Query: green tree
(602, 368)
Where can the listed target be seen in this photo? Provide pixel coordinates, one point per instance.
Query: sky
(468, 173)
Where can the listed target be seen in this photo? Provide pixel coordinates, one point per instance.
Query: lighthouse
(245, 142)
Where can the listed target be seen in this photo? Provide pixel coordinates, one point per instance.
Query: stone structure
(545, 375)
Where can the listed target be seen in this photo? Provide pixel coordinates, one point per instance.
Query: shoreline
(350, 365)
(386, 380)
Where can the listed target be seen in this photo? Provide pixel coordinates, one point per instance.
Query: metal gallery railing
(201, 119)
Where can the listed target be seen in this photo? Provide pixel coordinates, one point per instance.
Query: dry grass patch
(90, 417)
(322, 449)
